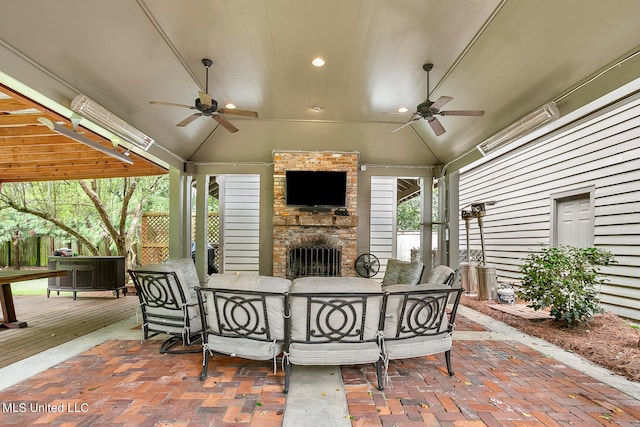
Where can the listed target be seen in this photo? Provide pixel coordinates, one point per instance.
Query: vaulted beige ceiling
(506, 57)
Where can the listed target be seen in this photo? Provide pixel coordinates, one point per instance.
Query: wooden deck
(58, 319)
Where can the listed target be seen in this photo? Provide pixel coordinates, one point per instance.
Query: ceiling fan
(428, 110)
(208, 106)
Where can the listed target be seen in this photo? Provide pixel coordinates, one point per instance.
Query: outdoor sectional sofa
(325, 320)
(307, 321)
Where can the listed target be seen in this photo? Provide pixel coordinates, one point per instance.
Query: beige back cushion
(187, 273)
(164, 268)
(249, 282)
(238, 311)
(438, 275)
(332, 289)
(422, 312)
(335, 284)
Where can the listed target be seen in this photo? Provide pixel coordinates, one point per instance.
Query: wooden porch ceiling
(408, 189)
(30, 151)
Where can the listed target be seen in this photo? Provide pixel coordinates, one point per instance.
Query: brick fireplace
(313, 243)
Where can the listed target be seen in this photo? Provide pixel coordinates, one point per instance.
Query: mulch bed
(607, 340)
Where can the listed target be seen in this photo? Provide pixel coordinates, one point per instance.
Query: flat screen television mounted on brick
(316, 190)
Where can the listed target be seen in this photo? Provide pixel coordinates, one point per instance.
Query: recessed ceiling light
(230, 106)
(316, 108)
(318, 62)
(403, 110)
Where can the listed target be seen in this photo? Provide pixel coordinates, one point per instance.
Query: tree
(409, 212)
(102, 214)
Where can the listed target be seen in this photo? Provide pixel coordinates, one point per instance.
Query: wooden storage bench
(88, 274)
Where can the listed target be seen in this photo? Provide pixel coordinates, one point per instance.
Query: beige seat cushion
(417, 346)
(333, 353)
(243, 347)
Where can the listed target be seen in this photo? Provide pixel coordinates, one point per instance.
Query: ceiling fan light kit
(532, 121)
(428, 110)
(208, 107)
(91, 110)
(79, 138)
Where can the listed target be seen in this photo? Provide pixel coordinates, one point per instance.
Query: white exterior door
(574, 223)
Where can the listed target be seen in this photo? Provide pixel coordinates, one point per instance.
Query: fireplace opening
(313, 260)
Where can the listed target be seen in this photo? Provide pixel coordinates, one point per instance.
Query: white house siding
(240, 222)
(600, 157)
(383, 219)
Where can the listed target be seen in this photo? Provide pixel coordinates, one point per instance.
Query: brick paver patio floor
(496, 383)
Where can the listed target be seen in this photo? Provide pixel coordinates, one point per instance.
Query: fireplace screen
(313, 260)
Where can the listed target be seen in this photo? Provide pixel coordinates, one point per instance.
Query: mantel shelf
(315, 220)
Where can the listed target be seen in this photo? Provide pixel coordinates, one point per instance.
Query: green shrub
(566, 280)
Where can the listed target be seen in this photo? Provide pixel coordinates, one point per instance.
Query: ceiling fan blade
(189, 119)
(476, 113)
(172, 104)
(224, 123)
(440, 102)
(405, 124)
(205, 98)
(397, 112)
(437, 127)
(238, 112)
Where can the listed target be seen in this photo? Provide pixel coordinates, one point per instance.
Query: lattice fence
(155, 236)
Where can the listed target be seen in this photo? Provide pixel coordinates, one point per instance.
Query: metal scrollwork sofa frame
(325, 321)
(243, 316)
